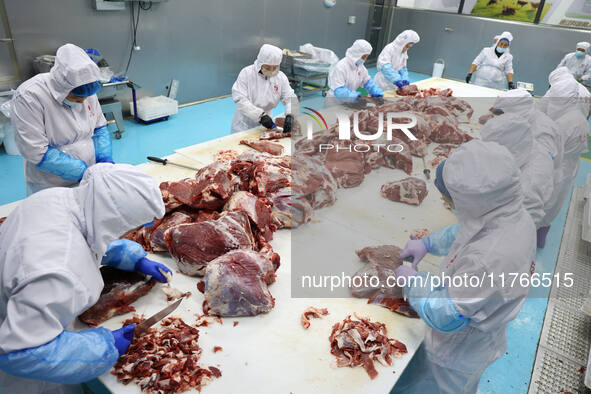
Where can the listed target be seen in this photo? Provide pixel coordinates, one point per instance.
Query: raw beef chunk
(236, 284)
(156, 240)
(258, 210)
(288, 210)
(312, 312)
(194, 245)
(121, 289)
(312, 180)
(273, 135)
(264, 146)
(400, 160)
(408, 190)
(347, 167)
(444, 131)
(296, 128)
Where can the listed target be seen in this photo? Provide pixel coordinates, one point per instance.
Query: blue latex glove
(434, 306)
(373, 89)
(399, 84)
(439, 241)
(123, 338)
(406, 271)
(123, 254)
(344, 92)
(103, 151)
(63, 165)
(405, 82)
(390, 74)
(70, 358)
(149, 267)
(404, 74)
(415, 248)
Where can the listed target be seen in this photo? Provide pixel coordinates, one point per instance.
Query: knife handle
(158, 160)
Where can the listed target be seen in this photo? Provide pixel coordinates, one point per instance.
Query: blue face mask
(500, 50)
(359, 62)
(579, 54)
(71, 104)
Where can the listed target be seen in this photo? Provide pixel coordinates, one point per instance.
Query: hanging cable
(135, 21)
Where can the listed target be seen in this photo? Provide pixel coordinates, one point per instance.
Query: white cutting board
(460, 89)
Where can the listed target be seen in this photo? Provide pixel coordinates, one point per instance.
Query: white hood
(73, 67)
(358, 49)
(268, 54)
(584, 45)
(565, 94)
(406, 37)
(483, 181)
(115, 198)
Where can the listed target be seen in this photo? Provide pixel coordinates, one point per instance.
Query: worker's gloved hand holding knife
(288, 124)
(416, 249)
(123, 337)
(267, 122)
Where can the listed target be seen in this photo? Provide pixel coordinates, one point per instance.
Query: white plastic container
(150, 108)
(438, 67)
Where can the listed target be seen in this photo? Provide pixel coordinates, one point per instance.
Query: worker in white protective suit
(467, 323)
(494, 65)
(578, 62)
(514, 128)
(392, 71)
(258, 89)
(51, 248)
(59, 127)
(568, 103)
(350, 74)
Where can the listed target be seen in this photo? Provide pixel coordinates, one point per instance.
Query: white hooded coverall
(392, 54)
(492, 69)
(496, 235)
(51, 248)
(579, 67)
(41, 119)
(346, 72)
(256, 95)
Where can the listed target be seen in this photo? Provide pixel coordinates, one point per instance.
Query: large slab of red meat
(236, 284)
(381, 262)
(289, 210)
(258, 210)
(261, 173)
(264, 146)
(121, 289)
(273, 135)
(156, 240)
(444, 131)
(408, 90)
(296, 128)
(194, 245)
(400, 160)
(165, 360)
(360, 342)
(347, 167)
(408, 190)
(312, 180)
(444, 149)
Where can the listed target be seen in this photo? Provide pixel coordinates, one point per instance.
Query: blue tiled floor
(207, 121)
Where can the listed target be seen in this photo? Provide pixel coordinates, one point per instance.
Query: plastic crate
(149, 108)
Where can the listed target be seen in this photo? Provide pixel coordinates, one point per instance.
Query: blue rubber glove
(404, 74)
(415, 248)
(123, 338)
(344, 92)
(405, 82)
(406, 271)
(103, 151)
(390, 74)
(399, 84)
(70, 358)
(149, 267)
(439, 242)
(373, 89)
(63, 165)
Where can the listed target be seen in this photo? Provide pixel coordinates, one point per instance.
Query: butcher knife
(426, 171)
(143, 326)
(165, 162)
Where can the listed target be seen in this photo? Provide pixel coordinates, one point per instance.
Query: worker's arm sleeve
(123, 254)
(61, 164)
(101, 139)
(240, 97)
(586, 73)
(29, 130)
(344, 92)
(434, 305)
(509, 65)
(385, 57)
(70, 358)
(439, 241)
(288, 97)
(478, 60)
(404, 73)
(390, 74)
(562, 62)
(373, 89)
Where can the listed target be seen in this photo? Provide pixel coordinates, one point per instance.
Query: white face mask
(268, 73)
(71, 104)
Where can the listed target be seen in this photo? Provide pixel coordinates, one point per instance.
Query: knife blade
(166, 161)
(143, 326)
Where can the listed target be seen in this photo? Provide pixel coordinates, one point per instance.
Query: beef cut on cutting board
(264, 146)
(258, 210)
(121, 289)
(194, 245)
(236, 284)
(408, 190)
(381, 262)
